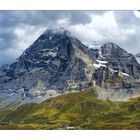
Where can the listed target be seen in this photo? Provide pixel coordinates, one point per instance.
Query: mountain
(58, 63)
(120, 59)
(138, 57)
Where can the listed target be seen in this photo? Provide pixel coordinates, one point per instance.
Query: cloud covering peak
(19, 29)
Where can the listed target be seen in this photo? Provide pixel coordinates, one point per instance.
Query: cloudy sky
(19, 29)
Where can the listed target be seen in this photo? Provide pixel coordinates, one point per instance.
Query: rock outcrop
(119, 59)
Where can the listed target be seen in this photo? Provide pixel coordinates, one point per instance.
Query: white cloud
(26, 35)
(102, 29)
(105, 28)
(137, 14)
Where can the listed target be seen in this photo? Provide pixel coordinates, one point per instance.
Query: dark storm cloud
(12, 18)
(79, 18)
(126, 18)
(6, 38)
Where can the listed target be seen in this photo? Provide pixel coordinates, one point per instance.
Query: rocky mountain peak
(112, 49)
(53, 44)
(57, 63)
(119, 59)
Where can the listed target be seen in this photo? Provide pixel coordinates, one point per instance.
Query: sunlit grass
(81, 110)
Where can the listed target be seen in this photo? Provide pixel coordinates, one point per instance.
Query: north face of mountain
(58, 63)
(52, 50)
(60, 56)
(55, 63)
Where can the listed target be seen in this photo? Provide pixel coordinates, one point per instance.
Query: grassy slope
(82, 110)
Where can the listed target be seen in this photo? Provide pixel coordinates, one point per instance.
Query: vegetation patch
(82, 110)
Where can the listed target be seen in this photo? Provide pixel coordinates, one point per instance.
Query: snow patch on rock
(102, 62)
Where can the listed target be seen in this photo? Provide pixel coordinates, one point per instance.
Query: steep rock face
(55, 63)
(119, 59)
(58, 63)
(108, 78)
(138, 57)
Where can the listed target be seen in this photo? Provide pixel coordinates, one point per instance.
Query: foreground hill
(82, 110)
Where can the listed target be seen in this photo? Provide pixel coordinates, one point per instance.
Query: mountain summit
(120, 59)
(58, 63)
